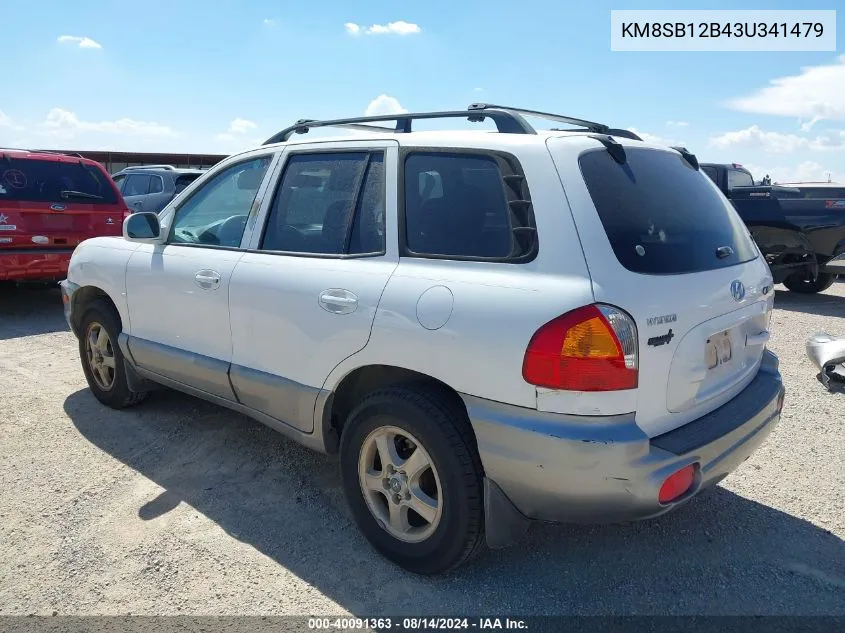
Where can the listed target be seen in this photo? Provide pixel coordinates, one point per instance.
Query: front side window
(460, 206)
(216, 213)
(53, 181)
(329, 203)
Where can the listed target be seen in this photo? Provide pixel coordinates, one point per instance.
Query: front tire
(102, 359)
(800, 283)
(413, 479)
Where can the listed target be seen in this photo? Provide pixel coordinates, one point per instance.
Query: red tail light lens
(593, 348)
(677, 484)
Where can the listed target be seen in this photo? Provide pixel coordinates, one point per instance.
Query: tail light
(126, 213)
(593, 348)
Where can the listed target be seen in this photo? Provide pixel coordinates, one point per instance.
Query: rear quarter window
(661, 215)
(33, 180)
(465, 205)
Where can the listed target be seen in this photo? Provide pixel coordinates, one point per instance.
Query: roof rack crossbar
(131, 167)
(506, 122)
(592, 126)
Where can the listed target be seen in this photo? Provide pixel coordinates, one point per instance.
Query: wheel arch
(83, 297)
(353, 386)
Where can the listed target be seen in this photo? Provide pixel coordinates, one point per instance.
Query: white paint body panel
(464, 323)
(101, 262)
(166, 304)
(674, 384)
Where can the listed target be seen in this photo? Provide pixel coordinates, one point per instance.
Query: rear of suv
(49, 203)
(488, 328)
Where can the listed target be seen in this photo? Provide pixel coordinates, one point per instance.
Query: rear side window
(330, 204)
(32, 180)
(136, 185)
(467, 206)
(156, 184)
(661, 215)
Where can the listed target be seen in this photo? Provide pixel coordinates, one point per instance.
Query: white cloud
(7, 122)
(235, 136)
(807, 171)
(384, 104)
(241, 126)
(270, 22)
(814, 94)
(399, 27)
(677, 123)
(774, 142)
(65, 124)
(654, 138)
(478, 89)
(81, 42)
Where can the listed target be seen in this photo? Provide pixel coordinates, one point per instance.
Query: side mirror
(142, 227)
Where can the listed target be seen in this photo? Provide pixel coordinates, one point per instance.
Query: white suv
(489, 328)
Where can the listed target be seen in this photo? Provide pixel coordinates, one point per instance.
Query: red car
(49, 203)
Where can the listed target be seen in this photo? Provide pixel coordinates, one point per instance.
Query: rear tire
(432, 464)
(800, 283)
(102, 359)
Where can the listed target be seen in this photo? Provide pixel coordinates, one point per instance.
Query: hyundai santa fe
(488, 328)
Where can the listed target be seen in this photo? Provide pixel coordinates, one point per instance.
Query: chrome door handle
(338, 301)
(207, 279)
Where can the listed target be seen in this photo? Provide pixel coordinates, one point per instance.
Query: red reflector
(677, 484)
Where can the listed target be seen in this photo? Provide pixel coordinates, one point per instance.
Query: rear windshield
(184, 180)
(31, 180)
(661, 215)
(822, 193)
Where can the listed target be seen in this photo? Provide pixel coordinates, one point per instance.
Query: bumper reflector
(677, 484)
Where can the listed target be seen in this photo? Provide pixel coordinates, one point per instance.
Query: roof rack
(130, 168)
(508, 120)
(56, 151)
(41, 151)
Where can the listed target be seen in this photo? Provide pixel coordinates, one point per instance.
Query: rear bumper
(47, 264)
(566, 468)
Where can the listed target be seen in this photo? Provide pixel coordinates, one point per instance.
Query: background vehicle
(49, 203)
(488, 328)
(151, 187)
(800, 229)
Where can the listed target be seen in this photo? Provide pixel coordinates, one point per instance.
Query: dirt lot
(179, 507)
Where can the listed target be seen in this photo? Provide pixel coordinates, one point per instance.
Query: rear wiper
(724, 251)
(79, 194)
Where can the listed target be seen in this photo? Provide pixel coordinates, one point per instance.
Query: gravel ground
(179, 507)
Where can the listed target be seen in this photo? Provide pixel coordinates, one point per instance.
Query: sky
(220, 76)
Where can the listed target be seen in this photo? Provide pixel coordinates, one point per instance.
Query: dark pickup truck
(800, 229)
